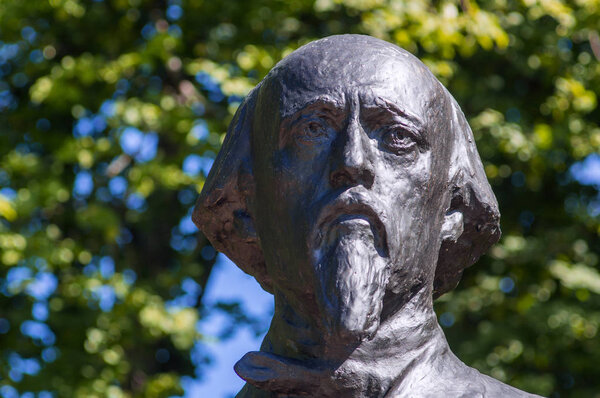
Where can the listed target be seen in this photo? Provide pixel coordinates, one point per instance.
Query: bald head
(333, 65)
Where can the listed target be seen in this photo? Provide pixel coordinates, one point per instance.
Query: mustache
(348, 205)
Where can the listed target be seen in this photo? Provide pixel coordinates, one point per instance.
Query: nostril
(340, 178)
(367, 178)
(350, 177)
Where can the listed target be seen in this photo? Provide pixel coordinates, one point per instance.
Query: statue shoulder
(457, 381)
(495, 388)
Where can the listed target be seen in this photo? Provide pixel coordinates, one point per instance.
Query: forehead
(348, 66)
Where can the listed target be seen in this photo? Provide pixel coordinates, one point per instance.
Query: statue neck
(296, 358)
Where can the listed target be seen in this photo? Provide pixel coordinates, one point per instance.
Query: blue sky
(228, 283)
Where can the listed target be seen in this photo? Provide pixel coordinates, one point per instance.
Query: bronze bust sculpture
(350, 187)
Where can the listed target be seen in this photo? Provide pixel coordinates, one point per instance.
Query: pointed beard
(352, 281)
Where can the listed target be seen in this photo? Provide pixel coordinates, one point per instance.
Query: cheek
(407, 179)
(405, 190)
(297, 173)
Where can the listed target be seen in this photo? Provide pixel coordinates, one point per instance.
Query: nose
(351, 163)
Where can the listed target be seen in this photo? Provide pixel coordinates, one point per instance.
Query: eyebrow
(319, 101)
(409, 119)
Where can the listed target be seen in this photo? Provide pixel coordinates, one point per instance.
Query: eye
(313, 130)
(398, 141)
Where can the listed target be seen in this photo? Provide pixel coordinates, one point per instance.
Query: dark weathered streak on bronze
(350, 187)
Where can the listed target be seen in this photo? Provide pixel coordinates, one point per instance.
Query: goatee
(352, 277)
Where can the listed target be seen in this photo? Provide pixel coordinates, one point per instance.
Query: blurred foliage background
(111, 112)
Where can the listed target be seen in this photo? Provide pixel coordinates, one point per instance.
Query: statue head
(348, 183)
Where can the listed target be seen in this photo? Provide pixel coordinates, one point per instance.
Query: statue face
(350, 156)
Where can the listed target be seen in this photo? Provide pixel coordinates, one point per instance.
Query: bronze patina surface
(350, 187)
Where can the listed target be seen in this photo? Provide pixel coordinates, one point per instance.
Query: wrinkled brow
(408, 118)
(322, 104)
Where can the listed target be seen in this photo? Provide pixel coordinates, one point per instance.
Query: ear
(472, 223)
(453, 226)
(221, 211)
